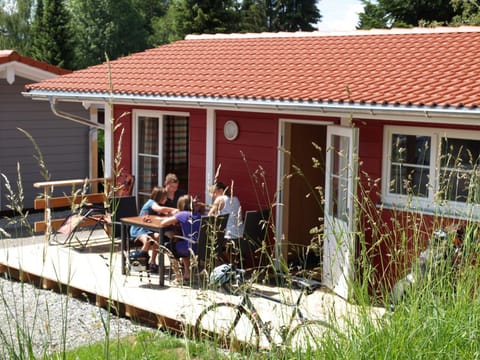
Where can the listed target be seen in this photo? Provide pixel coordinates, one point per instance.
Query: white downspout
(92, 123)
(72, 117)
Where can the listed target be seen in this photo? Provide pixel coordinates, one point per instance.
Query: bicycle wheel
(229, 326)
(308, 335)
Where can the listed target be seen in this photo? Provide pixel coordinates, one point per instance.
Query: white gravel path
(49, 322)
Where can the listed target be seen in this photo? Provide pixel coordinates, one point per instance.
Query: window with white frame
(431, 168)
(161, 147)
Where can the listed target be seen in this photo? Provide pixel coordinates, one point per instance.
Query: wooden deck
(95, 272)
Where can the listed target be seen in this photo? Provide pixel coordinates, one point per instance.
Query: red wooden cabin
(384, 107)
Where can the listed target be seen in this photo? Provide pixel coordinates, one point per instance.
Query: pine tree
(279, 15)
(152, 13)
(37, 49)
(52, 37)
(164, 28)
(207, 16)
(103, 28)
(296, 15)
(254, 16)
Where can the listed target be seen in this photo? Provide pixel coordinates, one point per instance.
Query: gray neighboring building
(64, 144)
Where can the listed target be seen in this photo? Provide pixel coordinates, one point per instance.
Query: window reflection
(410, 166)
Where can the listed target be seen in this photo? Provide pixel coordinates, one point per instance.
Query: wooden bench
(47, 203)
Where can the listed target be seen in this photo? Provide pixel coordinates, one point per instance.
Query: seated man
(171, 184)
(225, 203)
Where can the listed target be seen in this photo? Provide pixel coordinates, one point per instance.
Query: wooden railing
(78, 197)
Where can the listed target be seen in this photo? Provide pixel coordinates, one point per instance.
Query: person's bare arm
(164, 210)
(170, 220)
(217, 205)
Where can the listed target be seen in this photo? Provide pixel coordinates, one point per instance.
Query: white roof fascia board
(464, 116)
(10, 74)
(15, 68)
(322, 33)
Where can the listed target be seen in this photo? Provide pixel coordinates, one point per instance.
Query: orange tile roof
(7, 56)
(419, 67)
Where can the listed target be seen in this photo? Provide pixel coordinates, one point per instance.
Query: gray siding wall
(63, 143)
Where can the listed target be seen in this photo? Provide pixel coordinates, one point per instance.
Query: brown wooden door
(303, 206)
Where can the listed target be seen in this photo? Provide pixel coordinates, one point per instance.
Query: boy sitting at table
(149, 239)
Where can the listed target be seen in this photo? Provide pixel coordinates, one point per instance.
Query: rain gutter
(254, 104)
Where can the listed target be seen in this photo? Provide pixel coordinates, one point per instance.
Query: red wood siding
(257, 140)
(370, 155)
(123, 115)
(197, 152)
(197, 135)
(386, 252)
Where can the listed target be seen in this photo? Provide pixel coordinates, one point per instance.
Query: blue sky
(339, 15)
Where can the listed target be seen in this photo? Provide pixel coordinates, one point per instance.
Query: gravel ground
(49, 321)
(46, 320)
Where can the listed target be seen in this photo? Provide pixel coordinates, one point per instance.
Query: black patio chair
(211, 240)
(255, 228)
(210, 244)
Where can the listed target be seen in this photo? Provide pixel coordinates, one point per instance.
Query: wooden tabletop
(151, 221)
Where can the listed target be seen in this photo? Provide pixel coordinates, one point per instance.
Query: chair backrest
(255, 227)
(212, 235)
(124, 206)
(125, 182)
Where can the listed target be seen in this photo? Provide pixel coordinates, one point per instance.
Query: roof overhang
(11, 69)
(468, 116)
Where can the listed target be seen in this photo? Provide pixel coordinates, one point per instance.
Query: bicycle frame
(240, 323)
(265, 327)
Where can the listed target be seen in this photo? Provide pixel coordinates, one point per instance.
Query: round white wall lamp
(230, 130)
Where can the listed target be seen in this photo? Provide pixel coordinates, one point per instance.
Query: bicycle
(228, 323)
(440, 263)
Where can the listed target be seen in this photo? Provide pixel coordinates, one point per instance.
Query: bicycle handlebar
(307, 285)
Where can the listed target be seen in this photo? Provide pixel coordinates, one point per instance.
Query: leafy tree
(15, 20)
(373, 17)
(405, 13)
(155, 18)
(164, 28)
(106, 27)
(468, 12)
(254, 16)
(52, 39)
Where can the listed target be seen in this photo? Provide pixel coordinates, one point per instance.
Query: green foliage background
(75, 34)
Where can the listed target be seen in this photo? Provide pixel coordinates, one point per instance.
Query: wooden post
(47, 192)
